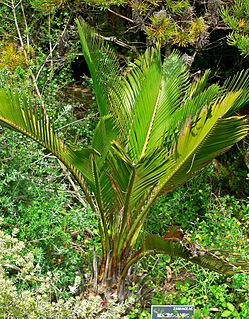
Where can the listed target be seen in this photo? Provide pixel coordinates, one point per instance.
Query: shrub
(26, 294)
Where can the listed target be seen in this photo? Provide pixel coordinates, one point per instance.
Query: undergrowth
(37, 198)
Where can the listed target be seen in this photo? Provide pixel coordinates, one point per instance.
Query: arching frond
(204, 258)
(18, 114)
(104, 134)
(200, 141)
(204, 138)
(102, 63)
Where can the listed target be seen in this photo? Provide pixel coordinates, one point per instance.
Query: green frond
(156, 244)
(110, 185)
(204, 138)
(17, 113)
(134, 101)
(102, 63)
(198, 86)
(144, 101)
(174, 84)
(200, 141)
(104, 134)
(149, 171)
(240, 81)
(119, 172)
(215, 263)
(191, 107)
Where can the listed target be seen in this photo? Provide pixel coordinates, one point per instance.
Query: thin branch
(44, 156)
(72, 183)
(57, 289)
(7, 18)
(51, 51)
(50, 41)
(115, 40)
(17, 5)
(7, 159)
(17, 27)
(11, 266)
(45, 238)
(6, 4)
(60, 128)
(7, 1)
(26, 25)
(120, 15)
(221, 28)
(26, 56)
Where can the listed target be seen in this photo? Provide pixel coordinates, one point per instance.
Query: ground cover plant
(132, 162)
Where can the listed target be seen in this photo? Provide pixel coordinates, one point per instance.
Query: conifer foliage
(236, 17)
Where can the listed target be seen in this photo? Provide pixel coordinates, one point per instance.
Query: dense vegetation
(54, 245)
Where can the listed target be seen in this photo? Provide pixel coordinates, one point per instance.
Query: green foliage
(102, 4)
(12, 57)
(35, 198)
(213, 296)
(38, 44)
(143, 6)
(163, 28)
(208, 219)
(46, 6)
(133, 162)
(17, 269)
(176, 6)
(241, 41)
(164, 25)
(236, 17)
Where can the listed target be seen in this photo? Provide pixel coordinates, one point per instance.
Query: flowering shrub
(17, 269)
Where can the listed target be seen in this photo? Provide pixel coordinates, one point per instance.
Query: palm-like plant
(156, 130)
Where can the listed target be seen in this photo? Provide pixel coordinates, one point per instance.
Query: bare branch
(26, 56)
(72, 183)
(120, 15)
(26, 24)
(50, 40)
(51, 50)
(6, 4)
(115, 40)
(17, 5)
(60, 128)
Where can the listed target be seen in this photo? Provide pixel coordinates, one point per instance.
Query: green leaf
(226, 313)
(197, 314)
(144, 101)
(179, 284)
(104, 134)
(102, 63)
(230, 307)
